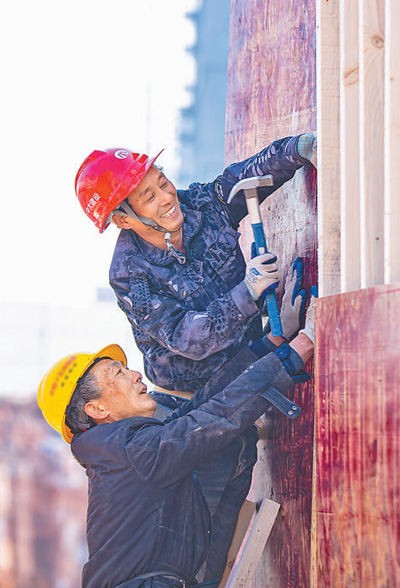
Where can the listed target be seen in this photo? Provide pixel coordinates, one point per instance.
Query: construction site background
(294, 67)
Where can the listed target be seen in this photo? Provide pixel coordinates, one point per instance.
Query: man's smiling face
(156, 198)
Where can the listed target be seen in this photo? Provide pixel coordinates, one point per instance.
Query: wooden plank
(243, 571)
(271, 73)
(245, 515)
(349, 147)
(392, 142)
(271, 94)
(372, 57)
(328, 90)
(357, 429)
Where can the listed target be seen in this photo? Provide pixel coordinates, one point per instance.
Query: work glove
(293, 301)
(261, 274)
(307, 147)
(309, 328)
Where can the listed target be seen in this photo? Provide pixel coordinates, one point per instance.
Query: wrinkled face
(155, 198)
(123, 393)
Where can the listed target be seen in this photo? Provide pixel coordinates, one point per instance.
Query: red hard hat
(106, 178)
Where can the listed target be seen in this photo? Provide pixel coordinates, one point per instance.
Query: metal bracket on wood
(263, 521)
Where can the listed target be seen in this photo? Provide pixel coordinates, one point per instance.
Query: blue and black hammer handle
(269, 294)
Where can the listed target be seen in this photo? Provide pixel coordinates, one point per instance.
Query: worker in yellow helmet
(151, 510)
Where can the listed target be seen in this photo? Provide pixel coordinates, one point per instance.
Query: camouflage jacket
(189, 318)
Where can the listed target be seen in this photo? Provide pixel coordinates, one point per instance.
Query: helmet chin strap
(177, 254)
(152, 224)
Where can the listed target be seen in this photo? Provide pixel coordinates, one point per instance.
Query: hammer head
(249, 186)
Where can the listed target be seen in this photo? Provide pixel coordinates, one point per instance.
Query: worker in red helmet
(181, 279)
(177, 271)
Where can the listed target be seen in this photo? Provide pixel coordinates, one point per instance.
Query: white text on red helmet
(92, 202)
(121, 154)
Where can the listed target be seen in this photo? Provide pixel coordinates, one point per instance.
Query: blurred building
(43, 498)
(34, 336)
(43, 491)
(202, 124)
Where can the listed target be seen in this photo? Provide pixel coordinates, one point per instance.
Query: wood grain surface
(357, 475)
(271, 94)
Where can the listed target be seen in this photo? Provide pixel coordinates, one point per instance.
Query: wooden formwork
(358, 74)
(332, 62)
(356, 508)
(271, 94)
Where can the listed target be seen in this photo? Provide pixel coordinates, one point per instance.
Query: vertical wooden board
(284, 473)
(349, 147)
(392, 141)
(271, 73)
(328, 91)
(357, 475)
(271, 94)
(372, 59)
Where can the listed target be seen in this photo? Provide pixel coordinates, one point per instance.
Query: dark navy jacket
(189, 319)
(146, 510)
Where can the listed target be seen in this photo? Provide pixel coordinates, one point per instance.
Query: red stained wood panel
(357, 475)
(271, 72)
(271, 94)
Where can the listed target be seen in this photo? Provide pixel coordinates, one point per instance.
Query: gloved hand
(294, 300)
(307, 147)
(309, 328)
(261, 273)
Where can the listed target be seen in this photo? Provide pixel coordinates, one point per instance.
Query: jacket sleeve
(280, 159)
(225, 375)
(195, 334)
(167, 452)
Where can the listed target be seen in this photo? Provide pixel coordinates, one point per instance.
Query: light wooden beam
(372, 61)
(328, 89)
(392, 142)
(243, 570)
(245, 515)
(349, 147)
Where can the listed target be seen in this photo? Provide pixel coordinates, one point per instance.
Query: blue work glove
(294, 300)
(309, 328)
(307, 147)
(261, 274)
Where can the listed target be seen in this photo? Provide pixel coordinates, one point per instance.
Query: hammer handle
(269, 294)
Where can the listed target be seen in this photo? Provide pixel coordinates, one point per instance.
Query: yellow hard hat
(58, 385)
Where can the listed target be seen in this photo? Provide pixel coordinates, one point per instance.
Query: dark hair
(87, 389)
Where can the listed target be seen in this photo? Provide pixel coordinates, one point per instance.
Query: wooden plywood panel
(271, 94)
(357, 474)
(271, 73)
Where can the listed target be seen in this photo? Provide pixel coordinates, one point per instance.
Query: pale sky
(77, 76)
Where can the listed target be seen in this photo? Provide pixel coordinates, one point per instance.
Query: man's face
(123, 392)
(155, 198)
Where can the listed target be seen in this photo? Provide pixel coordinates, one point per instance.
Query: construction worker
(177, 271)
(149, 520)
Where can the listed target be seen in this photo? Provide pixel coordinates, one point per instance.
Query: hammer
(249, 187)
